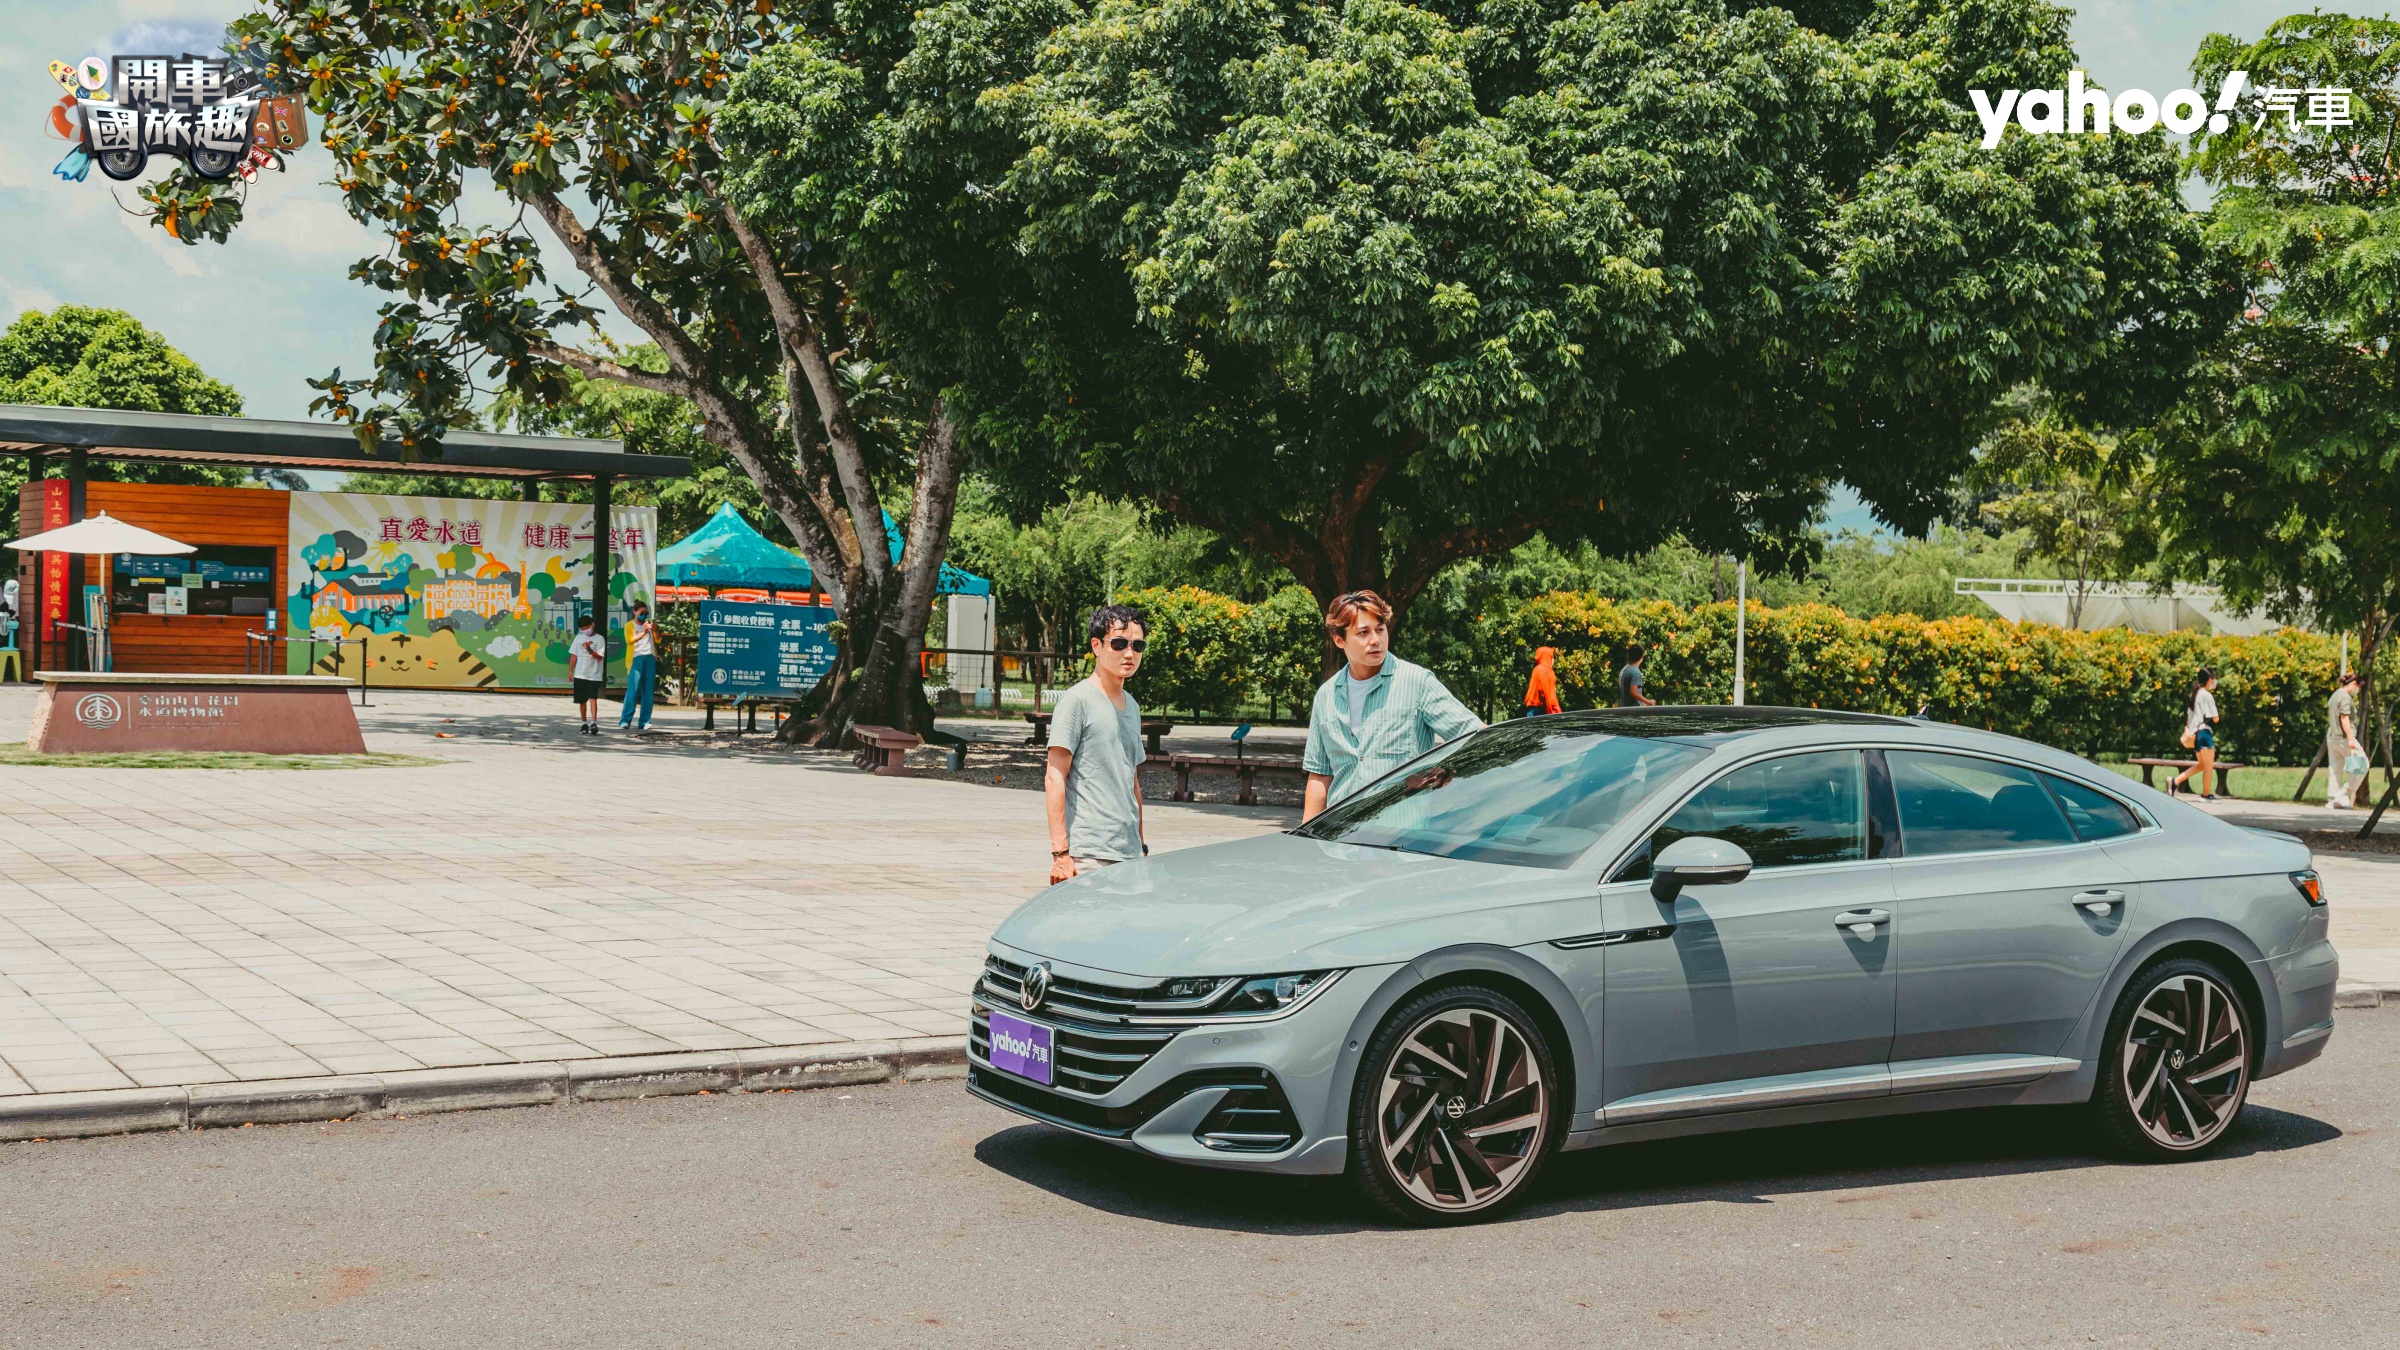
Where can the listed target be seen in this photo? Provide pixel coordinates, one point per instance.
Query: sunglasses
(1120, 644)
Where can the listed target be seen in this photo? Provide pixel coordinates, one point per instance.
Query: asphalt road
(913, 1215)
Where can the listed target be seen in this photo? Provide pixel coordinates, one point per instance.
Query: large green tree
(597, 122)
(76, 356)
(2278, 478)
(1369, 287)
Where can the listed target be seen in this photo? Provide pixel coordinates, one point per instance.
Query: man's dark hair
(1115, 616)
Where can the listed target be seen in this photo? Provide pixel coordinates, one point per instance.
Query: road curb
(2348, 995)
(283, 1101)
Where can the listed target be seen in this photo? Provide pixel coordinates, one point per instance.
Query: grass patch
(2266, 784)
(14, 754)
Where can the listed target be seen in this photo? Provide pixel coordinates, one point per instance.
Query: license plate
(1021, 1047)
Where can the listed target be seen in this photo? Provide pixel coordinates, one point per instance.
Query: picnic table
(1247, 767)
(2151, 766)
(745, 710)
(1152, 729)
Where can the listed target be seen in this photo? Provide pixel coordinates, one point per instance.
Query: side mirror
(1696, 860)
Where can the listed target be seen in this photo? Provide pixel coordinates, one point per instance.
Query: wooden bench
(883, 749)
(1248, 769)
(2151, 766)
(1152, 729)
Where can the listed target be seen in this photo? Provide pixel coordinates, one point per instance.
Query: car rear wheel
(1456, 1109)
(2178, 1062)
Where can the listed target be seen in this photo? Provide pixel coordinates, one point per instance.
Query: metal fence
(1005, 672)
(258, 654)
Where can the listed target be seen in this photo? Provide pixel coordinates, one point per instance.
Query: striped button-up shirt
(1406, 713)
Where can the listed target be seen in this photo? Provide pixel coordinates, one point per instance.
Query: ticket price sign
(763, 651)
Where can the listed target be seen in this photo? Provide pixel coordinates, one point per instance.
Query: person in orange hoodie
(1541, 692)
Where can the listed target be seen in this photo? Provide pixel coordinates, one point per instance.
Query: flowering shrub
(2110, 690)
(2090, 692)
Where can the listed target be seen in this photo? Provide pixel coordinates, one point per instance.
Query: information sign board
(763, 651)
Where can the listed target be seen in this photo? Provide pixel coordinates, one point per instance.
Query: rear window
(1961, 804)
(2093, 813)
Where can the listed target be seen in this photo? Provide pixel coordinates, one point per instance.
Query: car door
(2009, 916)
(1757, 979)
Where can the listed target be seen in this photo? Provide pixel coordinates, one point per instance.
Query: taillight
(2311, 889)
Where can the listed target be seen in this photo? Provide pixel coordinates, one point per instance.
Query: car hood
(1282, 902)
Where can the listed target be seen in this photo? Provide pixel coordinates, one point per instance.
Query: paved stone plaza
(542, 896)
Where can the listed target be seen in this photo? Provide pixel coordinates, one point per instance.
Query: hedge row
(2091, 692)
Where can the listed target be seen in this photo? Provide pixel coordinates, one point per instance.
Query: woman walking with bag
(2200, 710)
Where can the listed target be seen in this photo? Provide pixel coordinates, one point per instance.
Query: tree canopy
(598, 123)
(1369, 287)
(2278, 475)
(76, 356)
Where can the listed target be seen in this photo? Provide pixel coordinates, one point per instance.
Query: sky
(274, 307)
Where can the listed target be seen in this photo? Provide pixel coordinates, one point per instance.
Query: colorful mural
(456, 593)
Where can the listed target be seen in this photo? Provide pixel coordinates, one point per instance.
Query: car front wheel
(2178, 1062)
(1456, 1108)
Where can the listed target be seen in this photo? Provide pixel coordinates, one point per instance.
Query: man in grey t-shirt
(1092, 783)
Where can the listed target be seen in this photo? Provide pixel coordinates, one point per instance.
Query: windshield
(1534, 793)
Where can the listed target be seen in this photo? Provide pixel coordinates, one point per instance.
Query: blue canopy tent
(728, 552)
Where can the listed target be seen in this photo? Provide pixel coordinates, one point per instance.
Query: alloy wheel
(2186, 1061)
(1463, 1110)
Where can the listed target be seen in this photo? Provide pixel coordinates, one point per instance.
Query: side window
(1960, 804)
(1784, 812)
(2093, 813)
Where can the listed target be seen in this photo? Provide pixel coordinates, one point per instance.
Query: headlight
(1270, 993)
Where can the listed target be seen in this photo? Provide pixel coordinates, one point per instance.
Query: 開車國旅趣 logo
(2080, 109)
(1036, 987)
(99, 710)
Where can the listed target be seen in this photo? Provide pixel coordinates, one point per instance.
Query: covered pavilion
(69, 439)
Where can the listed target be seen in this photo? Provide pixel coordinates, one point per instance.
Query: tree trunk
(878, 680)
(1340, 548)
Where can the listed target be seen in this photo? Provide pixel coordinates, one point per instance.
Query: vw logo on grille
(1036, 986)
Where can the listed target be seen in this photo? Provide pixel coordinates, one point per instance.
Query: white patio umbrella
(101, 534)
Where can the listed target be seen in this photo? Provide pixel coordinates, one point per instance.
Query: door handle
(1862, 922)
(2099, 902)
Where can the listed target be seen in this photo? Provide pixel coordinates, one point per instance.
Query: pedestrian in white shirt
(587, 667)
(2200, 734)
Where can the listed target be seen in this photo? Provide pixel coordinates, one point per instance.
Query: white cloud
(284, 217)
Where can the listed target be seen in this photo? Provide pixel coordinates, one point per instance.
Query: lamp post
(1741, 625)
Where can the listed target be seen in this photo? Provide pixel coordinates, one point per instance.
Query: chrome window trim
(2149, 822)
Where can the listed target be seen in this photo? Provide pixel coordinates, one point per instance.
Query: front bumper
(1239, 1093)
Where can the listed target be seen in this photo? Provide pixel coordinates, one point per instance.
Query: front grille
(1085, 1059)
(1084, 1001)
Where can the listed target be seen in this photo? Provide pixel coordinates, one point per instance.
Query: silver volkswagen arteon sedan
(1602, 927)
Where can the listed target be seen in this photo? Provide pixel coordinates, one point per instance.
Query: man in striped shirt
(1377, 712)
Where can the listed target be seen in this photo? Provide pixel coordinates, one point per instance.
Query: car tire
(2175, 1069)
(1443, 1081)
